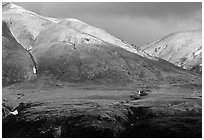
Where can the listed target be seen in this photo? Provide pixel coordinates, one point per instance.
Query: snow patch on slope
(198, 52)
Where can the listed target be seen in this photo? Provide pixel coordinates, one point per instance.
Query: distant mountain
(17, 63)
(183, 49)
(73, 51)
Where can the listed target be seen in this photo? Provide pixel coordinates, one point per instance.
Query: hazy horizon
(137, 23)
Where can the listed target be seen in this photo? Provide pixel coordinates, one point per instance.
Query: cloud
(148, 9)
(142, 30)
(136, 23)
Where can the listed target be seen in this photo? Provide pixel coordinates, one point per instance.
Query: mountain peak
(9, 5)
(183, 49)
(39, 22)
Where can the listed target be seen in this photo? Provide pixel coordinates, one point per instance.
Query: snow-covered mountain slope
(97, 32)
(183, 49)
(26, 25)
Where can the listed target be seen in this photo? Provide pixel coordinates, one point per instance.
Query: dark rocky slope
(17, 63)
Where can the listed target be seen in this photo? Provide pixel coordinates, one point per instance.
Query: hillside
(65, 51)
(183, 49)
(17, 62)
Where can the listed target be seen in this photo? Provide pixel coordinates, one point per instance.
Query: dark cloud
(136, 22)
(149, 9)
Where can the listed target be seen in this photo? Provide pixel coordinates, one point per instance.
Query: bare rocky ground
(90, 110)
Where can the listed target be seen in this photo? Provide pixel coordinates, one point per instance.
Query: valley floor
(73, 110)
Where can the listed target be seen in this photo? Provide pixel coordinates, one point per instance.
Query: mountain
(72, 50)
(26, 25)
(183, 49)
(17, 62)
(65, 78)
(74, 56)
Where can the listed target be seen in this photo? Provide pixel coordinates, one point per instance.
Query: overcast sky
(136, 23)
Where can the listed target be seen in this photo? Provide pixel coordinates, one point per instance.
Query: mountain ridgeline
(183, 49)
(73, 51)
